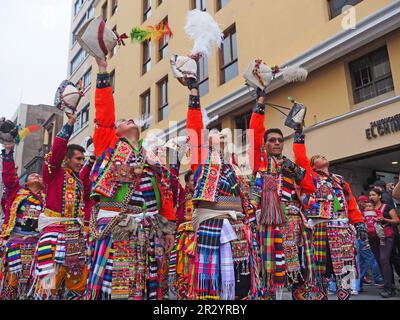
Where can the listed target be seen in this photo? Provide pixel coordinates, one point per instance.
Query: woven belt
(118, 206)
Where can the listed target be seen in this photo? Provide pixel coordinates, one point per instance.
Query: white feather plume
(204, 31)
(294, 74)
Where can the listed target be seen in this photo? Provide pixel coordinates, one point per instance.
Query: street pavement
(370, 293)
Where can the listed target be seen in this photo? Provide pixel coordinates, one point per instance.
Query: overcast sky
(34, 37)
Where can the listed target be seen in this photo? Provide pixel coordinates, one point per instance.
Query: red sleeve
(9, 174)
(56, 156)
(257, 128)
(354, 214)
(104, 132)
(195, 131)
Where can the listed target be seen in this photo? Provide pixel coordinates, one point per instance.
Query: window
(371, 75)
(221, 4)
(114, 50)
(199, 4)
(77, 6)
(104, 11)
(163, 44)
(163, 108)
(146, 9)
(229, 56)
(114, 7)
(82, 118)
(112, 80)
(160, 2)
(76, 30)
(90, 13)
(336, 6)
(87, 79)
(145, 108)
(77, 60)
(146, 56)
(203, 76)
(242, 123)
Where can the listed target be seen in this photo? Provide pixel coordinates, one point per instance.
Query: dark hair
(72, 148)
(273, 130)
(377, 191)
(188, 175)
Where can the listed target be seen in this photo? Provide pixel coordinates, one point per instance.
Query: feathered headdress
(153, 33)
(204, 31)
(23, 133)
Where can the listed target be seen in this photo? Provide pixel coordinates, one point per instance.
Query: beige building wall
(278, 32)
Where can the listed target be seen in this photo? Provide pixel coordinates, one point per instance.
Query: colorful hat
(8, 131)
(259, 75)
(96, 39)
(183, 67)
(67, 97)
(296, 116)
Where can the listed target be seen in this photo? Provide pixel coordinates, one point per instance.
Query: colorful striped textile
(273, 258)
(207, 260)
(320, 243)
(227, 264)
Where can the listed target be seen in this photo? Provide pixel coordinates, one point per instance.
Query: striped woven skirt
(131, 269)
(60, 265)
(16, 268)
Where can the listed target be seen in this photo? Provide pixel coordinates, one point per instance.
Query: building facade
(29, 152)
(353, 58)
(80, 67)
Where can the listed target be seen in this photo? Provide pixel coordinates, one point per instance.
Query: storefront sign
(383, 127)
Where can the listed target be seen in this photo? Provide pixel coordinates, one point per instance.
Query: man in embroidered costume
(60, 266)
(224, 258)
(20, 232)
(183, 254)
(332, 212)
(133, 218)
(283, 238)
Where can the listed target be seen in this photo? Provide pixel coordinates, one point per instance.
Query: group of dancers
(121, 225)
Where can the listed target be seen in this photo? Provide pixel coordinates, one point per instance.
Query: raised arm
(84, 176)
(9, 174)
(257, 129)
(195, 128)
(104, 131)
(58, 150)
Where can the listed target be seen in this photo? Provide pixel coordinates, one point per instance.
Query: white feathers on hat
(204, 31)
(294, 74)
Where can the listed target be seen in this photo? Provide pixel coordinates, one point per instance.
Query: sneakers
(388, 293)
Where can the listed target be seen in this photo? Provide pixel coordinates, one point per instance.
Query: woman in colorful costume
(133, 218)
(225, 265)
(20, 232)
(332, 211)
(283, 237)
(61, 255)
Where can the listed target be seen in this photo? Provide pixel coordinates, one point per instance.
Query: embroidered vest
(286, 187)
(24, 213)
(330, 199)
(72, 206)
(212, 183)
